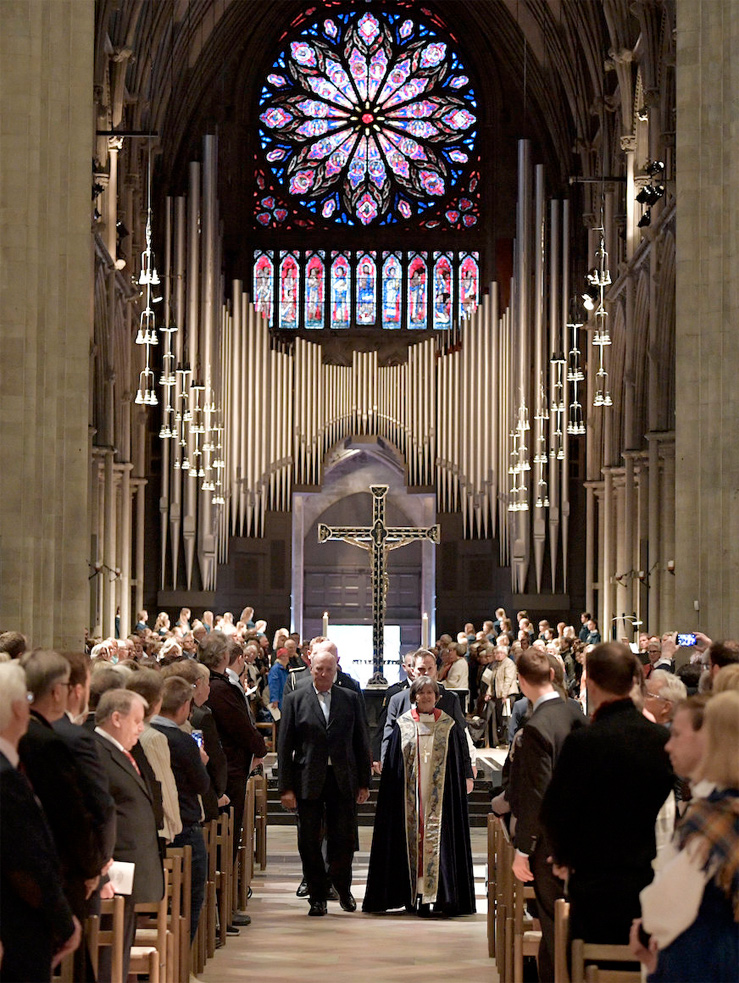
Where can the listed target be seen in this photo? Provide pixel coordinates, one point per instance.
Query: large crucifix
(378, 539)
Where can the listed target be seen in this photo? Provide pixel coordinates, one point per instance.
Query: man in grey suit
(324, 760)
(119, 721)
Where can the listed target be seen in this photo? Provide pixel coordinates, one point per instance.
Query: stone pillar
(707, 356)
(654, 573)
(46, 111)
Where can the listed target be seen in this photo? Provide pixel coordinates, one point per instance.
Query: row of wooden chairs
(512, 936)
(161, 948)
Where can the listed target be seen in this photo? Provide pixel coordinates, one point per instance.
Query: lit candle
(325, 624)
(425, 631)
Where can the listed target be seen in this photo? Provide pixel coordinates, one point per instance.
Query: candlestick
(325, 624)
(425, 631)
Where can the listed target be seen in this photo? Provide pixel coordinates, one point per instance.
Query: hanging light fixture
(147, 333)
(601, 336)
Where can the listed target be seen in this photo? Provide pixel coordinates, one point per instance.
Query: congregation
(620, 785)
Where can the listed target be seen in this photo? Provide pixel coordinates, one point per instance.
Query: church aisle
(283, 945)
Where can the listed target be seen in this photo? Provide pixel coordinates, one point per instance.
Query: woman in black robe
(421, 858)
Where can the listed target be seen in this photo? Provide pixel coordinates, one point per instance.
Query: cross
(378, 539)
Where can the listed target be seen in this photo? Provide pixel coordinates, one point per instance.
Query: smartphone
(197, 736)
(686, 638)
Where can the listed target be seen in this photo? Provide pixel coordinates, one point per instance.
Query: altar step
(478, 802)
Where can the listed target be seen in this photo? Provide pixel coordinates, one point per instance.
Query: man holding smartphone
(188, 764)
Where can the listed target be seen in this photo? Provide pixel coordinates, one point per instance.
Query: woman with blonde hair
(689, 930)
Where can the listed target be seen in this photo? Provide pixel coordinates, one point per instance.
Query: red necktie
(133, 761)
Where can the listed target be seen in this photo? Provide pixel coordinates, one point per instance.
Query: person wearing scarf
(689, 930)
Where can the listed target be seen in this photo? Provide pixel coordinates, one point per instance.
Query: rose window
(368, 118)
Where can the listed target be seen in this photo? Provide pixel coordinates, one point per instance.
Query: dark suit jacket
(136, 837)
(448, 702)
(35, 917)
(217, 767)
(609, 783)
(532, 765)
(51, 770)
(93, 782)
(306, 743)
(382, 717)
(240, 739)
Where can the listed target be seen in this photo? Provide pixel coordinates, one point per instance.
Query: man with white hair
(664, 692)
(36, 921)
(324, 770)
(119, 721)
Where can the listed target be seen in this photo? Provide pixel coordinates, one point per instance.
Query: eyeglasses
(656, 696)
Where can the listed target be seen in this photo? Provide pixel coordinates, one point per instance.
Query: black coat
(448, 702)
(532, 765)
(306, 743)
(382, 717)
(240, 739)
(609, 783)
(390, 881)
(93, 782)
(136, 837)
(35, 917)
(217, 767)
(50, 766)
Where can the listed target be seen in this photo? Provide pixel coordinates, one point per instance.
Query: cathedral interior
(259, 256)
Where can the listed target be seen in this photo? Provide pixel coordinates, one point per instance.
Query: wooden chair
(98, 938)
(526, 939)
(561, 940)
(209, 917)
(492, 877)
(246, 848)
(149, 949)
(224, 871)
(504, 914)
(184, 853)
(269, 732)
(583, 952)
(260, 820)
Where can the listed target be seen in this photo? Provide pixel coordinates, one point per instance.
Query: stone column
(46, 50)
(707, 356)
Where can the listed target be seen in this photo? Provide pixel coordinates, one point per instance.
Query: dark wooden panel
(277, 565)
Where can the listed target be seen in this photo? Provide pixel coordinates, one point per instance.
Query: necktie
(133, 761)
(324, 705)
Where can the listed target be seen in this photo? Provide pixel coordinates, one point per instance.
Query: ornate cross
(378, 539)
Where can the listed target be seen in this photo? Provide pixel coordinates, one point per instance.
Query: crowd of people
(620, 785)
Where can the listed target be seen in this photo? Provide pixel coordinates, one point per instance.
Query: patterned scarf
(713, 823)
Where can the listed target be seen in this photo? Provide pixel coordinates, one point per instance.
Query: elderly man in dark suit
(601, 806)
(532, 761)
(119, 721)
(324, 760)
(36, 921)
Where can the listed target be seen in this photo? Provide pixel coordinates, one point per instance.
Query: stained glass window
(366, 280)
(264, 286)
(289, 290)
(341, 280)
(417, 291)
(315, 290)
(392, 291)
(367, 117)
(443, 286)
(469, 284)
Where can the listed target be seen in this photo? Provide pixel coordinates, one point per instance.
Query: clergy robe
(444, 840)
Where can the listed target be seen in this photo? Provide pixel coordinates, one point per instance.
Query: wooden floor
(284, 945)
